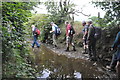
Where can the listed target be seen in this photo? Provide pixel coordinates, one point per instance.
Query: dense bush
(14, 49)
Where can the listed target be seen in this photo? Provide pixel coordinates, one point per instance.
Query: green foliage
(112, 18)
(98, 22)
(112, 9)
(38, 20)
(112, 21)
(14, 50)
(60, 11)
(42, 22)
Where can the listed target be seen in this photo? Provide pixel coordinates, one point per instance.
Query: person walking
(116, 57)
(54, 36)
(69, 36)
(35, 37)
(91, 40)
(85, 33)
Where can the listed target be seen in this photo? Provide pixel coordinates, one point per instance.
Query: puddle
(45, 74)
(52, 65)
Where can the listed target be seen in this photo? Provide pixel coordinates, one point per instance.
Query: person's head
(52, 23)
(83, 23)
(66, 22)
(89, 22)
(33, 26)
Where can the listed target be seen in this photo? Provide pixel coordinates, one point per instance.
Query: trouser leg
(118, 69)
(89, 50)
(67, 43)
(72, 43)
(34, 39)
(85, 45)
(114, 61)
(94, 49)
(54, 40)
(73, 47)
(38, 45)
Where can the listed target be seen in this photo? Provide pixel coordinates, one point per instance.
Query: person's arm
(89, 33)
(69, 30)
(53, 29)
(116, 42)
(34, 33)
(85, 31)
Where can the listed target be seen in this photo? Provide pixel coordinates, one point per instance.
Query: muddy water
(52, 65)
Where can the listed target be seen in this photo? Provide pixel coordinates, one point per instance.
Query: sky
(87, 8)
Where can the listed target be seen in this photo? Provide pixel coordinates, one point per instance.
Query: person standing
(116, 57)
(85, 32)
(54, 36)
(69, 36)
(91, 41)
(35, 37)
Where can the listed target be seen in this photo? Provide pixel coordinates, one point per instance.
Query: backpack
(98, 32)
(72, 31)
(37, 31)
(57, 30)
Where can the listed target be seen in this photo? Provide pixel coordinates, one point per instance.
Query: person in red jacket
(69, 36)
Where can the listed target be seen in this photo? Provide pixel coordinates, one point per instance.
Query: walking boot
(85, 52)
(38, 46)
(55, 45)
(67, 49)
(74, 48)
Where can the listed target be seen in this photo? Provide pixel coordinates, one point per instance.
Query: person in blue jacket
(116, 57)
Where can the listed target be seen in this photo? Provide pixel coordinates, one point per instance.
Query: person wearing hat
(91, 41)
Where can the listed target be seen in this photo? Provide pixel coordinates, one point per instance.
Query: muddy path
(61, 51)
(56, 63)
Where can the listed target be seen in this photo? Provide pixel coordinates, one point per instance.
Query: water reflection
(45, 74)
(77, 75)
(51, 65)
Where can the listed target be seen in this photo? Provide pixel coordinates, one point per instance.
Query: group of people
(90, 40)
(89, 37)
(69, 35)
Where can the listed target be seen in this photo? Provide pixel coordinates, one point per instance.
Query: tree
(112, 22)
(60, 11)
(112, 8)
(99, 22)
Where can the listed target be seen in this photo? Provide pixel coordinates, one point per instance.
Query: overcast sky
(87, 8)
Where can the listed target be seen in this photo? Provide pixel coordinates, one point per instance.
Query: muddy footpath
(56, 63)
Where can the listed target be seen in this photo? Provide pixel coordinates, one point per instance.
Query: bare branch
(84, 14)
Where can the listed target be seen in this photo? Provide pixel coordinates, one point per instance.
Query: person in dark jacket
(91, 42)
(85, 32)
(35, 36)
(116, 57)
